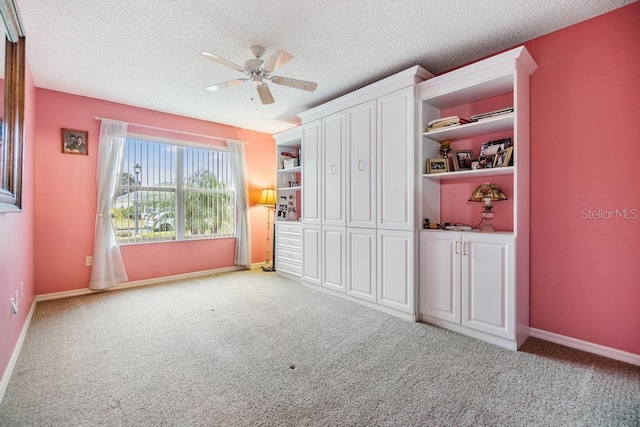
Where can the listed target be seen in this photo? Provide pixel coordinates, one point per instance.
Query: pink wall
(585, 99)
(17, 243)
(66, 194)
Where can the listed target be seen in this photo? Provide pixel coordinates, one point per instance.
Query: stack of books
(490, 114)
(445, 122)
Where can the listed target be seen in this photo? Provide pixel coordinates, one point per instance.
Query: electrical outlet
(89, 260)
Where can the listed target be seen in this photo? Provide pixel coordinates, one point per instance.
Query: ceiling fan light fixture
(259, 70)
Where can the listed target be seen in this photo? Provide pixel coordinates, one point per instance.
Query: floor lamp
(268, 200)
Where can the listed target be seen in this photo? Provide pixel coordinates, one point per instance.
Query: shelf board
(494, 124)
(289, 188)
(470, 174)
(291, 170)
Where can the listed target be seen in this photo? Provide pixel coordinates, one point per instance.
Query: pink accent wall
(17, 242)
(585, 177)
(66, 194)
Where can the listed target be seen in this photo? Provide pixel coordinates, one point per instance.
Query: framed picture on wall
(75, 141)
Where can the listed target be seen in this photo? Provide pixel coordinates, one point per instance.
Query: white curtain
(241, 184)
(107, 269)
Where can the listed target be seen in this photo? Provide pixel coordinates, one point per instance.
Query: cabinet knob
(457, 250)
(333, 169)
(360, 165)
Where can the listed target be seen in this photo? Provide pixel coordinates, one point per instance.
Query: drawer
(293, 228)
(286, 267)
(287, 240)
(288, 254)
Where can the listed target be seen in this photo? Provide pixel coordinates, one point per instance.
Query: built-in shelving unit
(477, 283)
(288, 253)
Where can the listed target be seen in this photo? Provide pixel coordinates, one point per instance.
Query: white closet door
(333, 177)
(395, 160)
(395, 272)
(361, 165)
(333, 258)
(361, 263)
(311, 251)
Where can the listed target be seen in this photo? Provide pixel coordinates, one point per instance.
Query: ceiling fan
(258, 71)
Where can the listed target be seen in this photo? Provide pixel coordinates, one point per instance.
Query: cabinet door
(333, 258)
(310, 153)
(395, 158)
(440, 275)
(333, 179)
(488, 298)
(361, 263)
(311, 254)
(395, 270)
(361, 165)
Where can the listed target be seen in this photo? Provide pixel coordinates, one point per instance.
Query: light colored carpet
(250, 348)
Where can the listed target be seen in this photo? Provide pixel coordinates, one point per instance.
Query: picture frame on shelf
(492, 147)
(503, 158)
(437, 165)
(486, 162)
(462, 159)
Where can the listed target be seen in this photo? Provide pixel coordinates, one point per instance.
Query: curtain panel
(107, 269)
(241, 184)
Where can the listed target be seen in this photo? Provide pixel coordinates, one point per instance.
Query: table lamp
(487, 193)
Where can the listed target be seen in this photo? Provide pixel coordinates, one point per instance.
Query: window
(174, 192)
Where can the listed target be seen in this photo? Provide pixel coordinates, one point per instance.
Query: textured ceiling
(146, 53)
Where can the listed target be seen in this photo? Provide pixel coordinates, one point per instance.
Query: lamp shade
(267, 197)
(487, 191)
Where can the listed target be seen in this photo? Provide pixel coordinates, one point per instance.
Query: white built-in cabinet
(467, 283)
(365, 192)
(359, 195)
(471, 282)
(288, 231)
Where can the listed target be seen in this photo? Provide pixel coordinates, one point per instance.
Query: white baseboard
(136, 283)
(4, 382)
(598, 349)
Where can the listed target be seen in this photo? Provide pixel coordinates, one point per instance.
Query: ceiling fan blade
(276, 60)
(265, 93)
(225, 84)
(222, 61)
(295, 83)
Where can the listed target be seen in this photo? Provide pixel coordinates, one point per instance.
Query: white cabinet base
(397, 313)
(493, 339)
